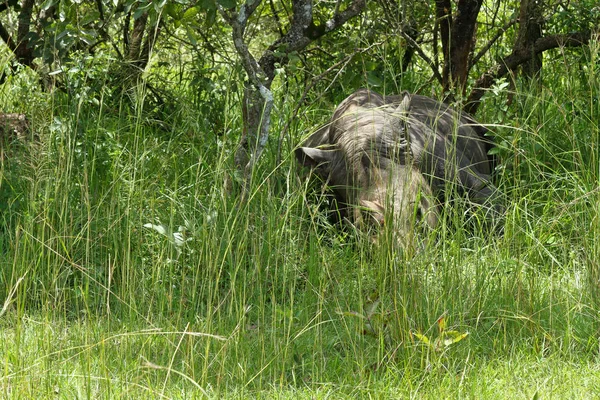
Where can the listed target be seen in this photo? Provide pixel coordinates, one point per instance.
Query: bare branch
(310, 85)
(303, 31)
(276, 17)
(258, 99)
(443, 19)
(126, 33)
(238, 21)
(137, 36)
(497, 36)
(424, 56)
(339, 18)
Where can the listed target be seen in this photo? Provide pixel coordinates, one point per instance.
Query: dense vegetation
(137, 260)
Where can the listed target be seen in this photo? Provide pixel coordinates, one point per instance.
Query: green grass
(129, 268)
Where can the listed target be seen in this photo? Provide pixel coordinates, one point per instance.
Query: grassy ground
(128, 268)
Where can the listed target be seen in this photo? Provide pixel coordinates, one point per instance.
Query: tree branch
(443, 18)
(355, 8)
(5, 36)
(100, 8)
(342, 63)
(126, 33)
(257, 77)
(489, 44)
(137, 36)
(422, 54)
(519, 57)
(276, 17)
(303, 31)
(258, 99)
(238, 21)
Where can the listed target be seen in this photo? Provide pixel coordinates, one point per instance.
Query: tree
(258, 99)
(47, 34)
(530, 30)
(456, 34)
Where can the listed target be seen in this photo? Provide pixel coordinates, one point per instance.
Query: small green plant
(444, 339)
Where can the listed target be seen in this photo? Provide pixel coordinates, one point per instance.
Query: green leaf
(371, 65)
(422, 338)
(141, 10)
(207, 4)
(191, 35)
(211, 17)
(89, 18)
(451, 337)
(172, 10)
(190, 14)
(494, 150)
(159, 4)
(48, 3)
(373, 79)
(441, 323)
(227, 3)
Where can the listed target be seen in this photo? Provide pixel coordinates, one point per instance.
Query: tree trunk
(530, 30)
(23, 51)
(461, 43)
(443, 14)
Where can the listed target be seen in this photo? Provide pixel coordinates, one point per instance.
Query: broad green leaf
(373, 79)
(227, 3)
(191, 35)
(422, 338)
(371, 65)
(172, 10)
(207, 4)
(494, 150)
(158, 5)
(211, 17)
(93, 16)
(48, 3)
(451, 337)
(190, 14)
(141, 10)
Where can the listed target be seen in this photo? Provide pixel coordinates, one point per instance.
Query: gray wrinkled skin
(390, 155)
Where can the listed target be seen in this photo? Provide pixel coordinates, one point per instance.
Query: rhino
(397, 156)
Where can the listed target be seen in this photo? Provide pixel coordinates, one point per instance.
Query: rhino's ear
(311, 157)
(404, 106)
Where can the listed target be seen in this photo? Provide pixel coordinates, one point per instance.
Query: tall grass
(130, 268)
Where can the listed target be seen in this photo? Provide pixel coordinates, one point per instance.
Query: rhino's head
(380, 195)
